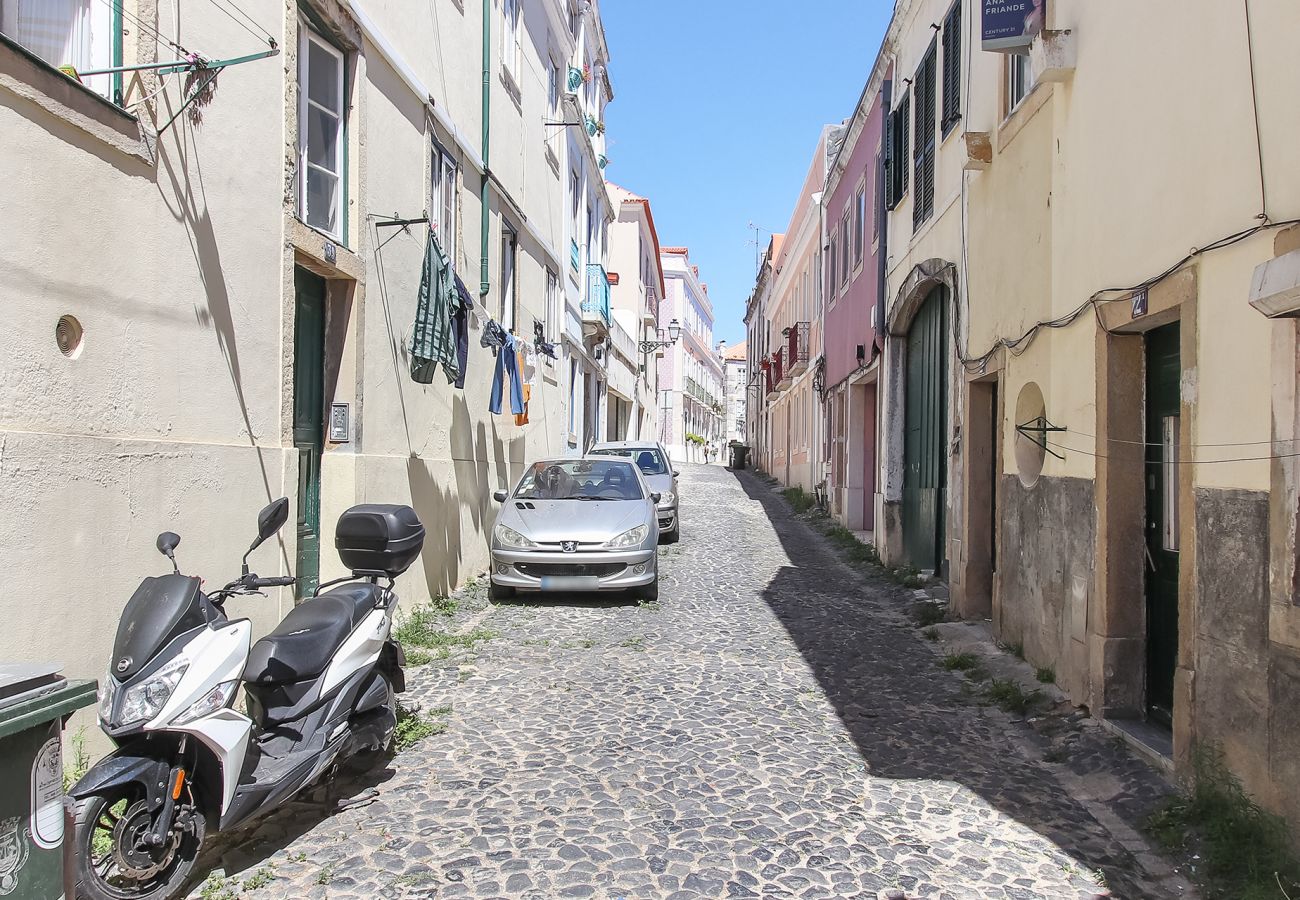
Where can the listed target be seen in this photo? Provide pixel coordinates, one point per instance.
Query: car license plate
(570, 583)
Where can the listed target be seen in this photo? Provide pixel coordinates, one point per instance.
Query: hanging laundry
(507, 368)
(493, 336)
(432, 339)
(526, 373)
(460, 327)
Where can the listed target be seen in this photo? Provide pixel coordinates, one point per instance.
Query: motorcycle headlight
(143, 701)
(107, 694)
(508, 537)
(667, 498)
(630, 538)
(215, 699)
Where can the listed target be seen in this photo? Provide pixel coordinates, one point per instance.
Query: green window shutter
(891, 126)
(952, 68)
(903, 155)
(923, 154)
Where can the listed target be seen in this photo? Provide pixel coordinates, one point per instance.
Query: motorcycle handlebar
(278, 581)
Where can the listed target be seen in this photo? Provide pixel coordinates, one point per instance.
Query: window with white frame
(76, 33)
(845, 257)
(509, 248)
(552, 326)
(442, 199)
(510, 38)
(320, 132)
(859, 224)
(1020, 80)
(553, 87)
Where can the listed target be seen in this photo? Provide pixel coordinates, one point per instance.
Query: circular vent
(68, 335)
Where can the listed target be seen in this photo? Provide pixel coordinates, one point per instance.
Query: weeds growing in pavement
(259, 879)
(417, 657)
(1046, 674)
(960, 662)
(217, 888)
(414, 725)
(1011, 696)
(80, 763)
(926, 614)
(931, 633)
(1247, 851)
(798, 500)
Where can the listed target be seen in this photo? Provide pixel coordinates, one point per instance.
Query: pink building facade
(855, 241)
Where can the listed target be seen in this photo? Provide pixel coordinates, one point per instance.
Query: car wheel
(649, 592)
(672, 537)
(499, 592)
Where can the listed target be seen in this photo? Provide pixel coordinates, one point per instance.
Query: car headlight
(107, 694)
(630, 538)
(213, 700)
(667, 498)
(143, 701)
(508, 537)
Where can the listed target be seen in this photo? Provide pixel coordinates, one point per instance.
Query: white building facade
(690, 374)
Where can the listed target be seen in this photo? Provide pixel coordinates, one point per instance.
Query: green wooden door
(925, 443)
(1163, 376)
(308, 420)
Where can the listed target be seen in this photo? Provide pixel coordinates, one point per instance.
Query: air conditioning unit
(1275, 287)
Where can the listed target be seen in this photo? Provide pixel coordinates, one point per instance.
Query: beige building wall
(176, 254)
(1092, 185)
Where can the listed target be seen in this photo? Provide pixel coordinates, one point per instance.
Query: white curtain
(58, 31)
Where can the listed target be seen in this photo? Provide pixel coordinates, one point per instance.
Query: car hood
(586, 521)
(660, 484)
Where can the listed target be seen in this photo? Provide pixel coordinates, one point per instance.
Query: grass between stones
(1045, 674)
(960, 662)
(800, 501)
(1248, 851)
(414, 725)
(1011, 696)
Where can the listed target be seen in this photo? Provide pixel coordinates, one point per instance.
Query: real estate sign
(1011, 24)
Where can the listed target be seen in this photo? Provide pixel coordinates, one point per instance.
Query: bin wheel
(113, 860)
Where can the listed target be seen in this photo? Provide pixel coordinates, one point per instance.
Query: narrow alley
(775, 726)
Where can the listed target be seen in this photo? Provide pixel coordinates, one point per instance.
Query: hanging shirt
(433, 340)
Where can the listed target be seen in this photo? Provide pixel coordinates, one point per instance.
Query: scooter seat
(302, 645)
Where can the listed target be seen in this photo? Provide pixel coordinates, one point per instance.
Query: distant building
(735, 377)
(690, 374)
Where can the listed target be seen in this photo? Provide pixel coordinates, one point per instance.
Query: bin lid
(34, 693)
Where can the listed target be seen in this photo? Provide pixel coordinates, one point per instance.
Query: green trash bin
(739, 456)
(35, 701)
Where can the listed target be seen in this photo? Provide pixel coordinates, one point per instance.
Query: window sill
(512, 88)
(1016, 120)
(32, 79)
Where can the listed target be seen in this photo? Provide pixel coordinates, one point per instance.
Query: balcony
(797, 348)
(770, 392)
(781, 365)
(697, 390)
(595, 306)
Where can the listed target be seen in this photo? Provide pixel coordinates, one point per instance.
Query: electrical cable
(118, 7)
(265, 35)
(1254, 100)
(1177, 462)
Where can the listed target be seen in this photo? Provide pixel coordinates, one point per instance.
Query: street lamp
(674, 332)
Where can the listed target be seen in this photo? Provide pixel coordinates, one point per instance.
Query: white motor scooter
(320, 687)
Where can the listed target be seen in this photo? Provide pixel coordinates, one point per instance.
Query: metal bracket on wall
(404, 223)
(1036, 430)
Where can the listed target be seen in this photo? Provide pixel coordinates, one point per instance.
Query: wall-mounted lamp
(674, 332)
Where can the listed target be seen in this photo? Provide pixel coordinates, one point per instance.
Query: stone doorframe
(924, 277)
(1117, 612)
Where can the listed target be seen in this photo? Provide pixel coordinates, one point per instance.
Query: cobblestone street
(775, 726)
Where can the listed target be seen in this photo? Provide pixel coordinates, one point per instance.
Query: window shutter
(903, 154)
(926, 108)
(891, 163)
(952, 68)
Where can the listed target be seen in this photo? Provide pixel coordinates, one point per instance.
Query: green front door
(924, 442)
(308, 419)
(1163, 376)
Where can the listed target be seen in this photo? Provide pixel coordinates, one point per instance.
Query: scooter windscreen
(161, 608)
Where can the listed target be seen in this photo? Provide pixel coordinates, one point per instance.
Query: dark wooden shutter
(891, 163)
(903, 152)
(923, 156)
(952, 68)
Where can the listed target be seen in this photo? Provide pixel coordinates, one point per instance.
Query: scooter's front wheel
(115, 859)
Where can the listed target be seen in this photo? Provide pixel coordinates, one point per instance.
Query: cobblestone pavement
(773, 727)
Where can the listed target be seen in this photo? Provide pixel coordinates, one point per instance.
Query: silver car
(577, 524)
(657, 469)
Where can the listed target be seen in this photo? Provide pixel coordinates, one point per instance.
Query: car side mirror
(499, 496)
(656, 496)
(270, 520)
(675, 474)
(167, 543)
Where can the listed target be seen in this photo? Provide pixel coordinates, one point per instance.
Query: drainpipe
(484, 284)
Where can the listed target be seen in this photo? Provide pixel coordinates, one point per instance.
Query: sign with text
(1010, 25)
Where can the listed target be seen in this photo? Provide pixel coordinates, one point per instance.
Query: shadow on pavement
(907, 717)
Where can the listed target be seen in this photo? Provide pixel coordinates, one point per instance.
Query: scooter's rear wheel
(114, 859)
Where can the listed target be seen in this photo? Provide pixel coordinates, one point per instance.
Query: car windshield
(648, 460)
(580, 479)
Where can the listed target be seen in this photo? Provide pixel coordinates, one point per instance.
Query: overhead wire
(247, 20)
(1177, 462)
(119, 7)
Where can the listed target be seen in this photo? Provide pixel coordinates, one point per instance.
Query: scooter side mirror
(499, 496)
(270, 520)
(167, 543)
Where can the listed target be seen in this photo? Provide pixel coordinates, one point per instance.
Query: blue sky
(717, 108)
